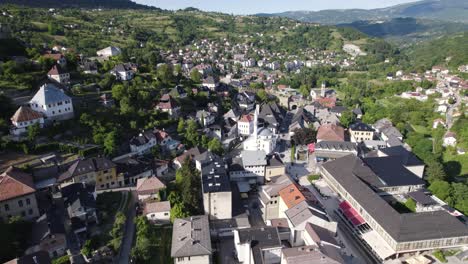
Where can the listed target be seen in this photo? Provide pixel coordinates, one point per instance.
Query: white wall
(56, 111)
(218, 205)
(206, 259)
(162, 216)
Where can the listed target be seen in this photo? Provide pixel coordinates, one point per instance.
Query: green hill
(77, 3)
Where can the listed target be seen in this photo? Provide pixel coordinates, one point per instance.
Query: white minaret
(322, 90)
(257, 111)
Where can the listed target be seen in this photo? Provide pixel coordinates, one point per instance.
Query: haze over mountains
(445, 10)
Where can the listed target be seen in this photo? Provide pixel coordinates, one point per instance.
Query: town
(267, 145)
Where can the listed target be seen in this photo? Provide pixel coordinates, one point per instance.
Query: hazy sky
(269, 6)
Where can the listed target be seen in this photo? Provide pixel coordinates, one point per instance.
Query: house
(53, 103)
(143, 143)
(424, 202)
(450, 139)
(191, 241)
(245, 100)
(324, 240)
(250, 166)
(23, 118)
(275, 167)
(264, 139)
(300, 215)
(109, 52)
(40, 257)
(210, 83)
(329, 150)
(306, 255)
(95, 171)
(322, 92)
(17, 195)
(48, 235)
(59, 74)
(178, 92)
(133, 168)
(245, 125)
(90, 67)
(258, 245)
(167, 142)
(330, 132)
(188, 154)
(271, 116)
(57, 57)
(161, 167)
(438, 122)
(148, 188)
(80, 202)
(205, 118)
(168, 105)
(269, 196)
(124, 72)
(216, 188)
(159, 212)
(361, 132)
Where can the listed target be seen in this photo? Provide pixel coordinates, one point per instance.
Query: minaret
(322, 90)
(257, 111)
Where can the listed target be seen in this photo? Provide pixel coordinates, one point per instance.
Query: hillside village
(228, 150)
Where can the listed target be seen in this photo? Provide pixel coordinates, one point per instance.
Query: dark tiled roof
(259, 238)
(191, 237)
(407, 157)
(360, 127)
(215, 177)
(392, 172)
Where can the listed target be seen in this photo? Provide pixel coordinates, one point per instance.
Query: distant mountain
(118, 4)
(407, 29)
(445, 10)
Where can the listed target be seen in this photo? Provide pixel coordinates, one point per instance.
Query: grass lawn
(457, 165)
(420, 129)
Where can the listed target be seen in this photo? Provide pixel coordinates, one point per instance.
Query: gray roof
(401, 227)
(421, 198)
(254, 158)
(302, 212)
(83, 166)
(259, 238)
(276, 184)
(360, 127)
(320, 234)
(307, 255)
(336, 146)
(49, 94)
(391, 171)
(391, 132)
(191, 237)
(215, 177)
(407, 157)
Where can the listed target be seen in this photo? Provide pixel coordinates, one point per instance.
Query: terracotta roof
(157, 207)
(149, 185)
(161, 135)
(291, 195)
(25, 113)
(55, 56)
(56, 70)
(246, 118)
(330, 132)
(15, 183)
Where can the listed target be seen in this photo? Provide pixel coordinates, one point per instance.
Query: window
(7, 207)
(20, 203)
(23, 213)
(180, 259)
(30, 211)
(166, 214)
(28, 201)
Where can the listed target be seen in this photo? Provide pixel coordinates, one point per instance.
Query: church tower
(323, 90)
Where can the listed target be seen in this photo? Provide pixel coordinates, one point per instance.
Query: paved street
(129, 233)
(226, 249)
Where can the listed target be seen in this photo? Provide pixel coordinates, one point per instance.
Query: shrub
(62, 260)
(440, 256)
(313, 177)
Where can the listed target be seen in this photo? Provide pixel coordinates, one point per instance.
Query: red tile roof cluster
(246, 118)
(167, 102)
(291, 195)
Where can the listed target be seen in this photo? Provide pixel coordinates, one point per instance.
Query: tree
(195, 76)
(441, 189)
(181, 126)
(178, 211)
(119, 92)
(435, 171)
(347, 117)
(262, 96)
(33, 132)
(304, 90)
(204, 141)
(191, 133)
(110, 143)
(215, 146)
(304, 136)
(411, 204)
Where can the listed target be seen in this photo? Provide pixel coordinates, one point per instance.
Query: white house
(264, 139)
(148, 188)
(438, 122)
(245, 125)
(53, 103)
(258, 245)
(158, 211)
(143, 142)
(450, 139)
(23, 118)
(123, 72)
(191, 240)
(109, 51)
(59, 74)
(205, 118)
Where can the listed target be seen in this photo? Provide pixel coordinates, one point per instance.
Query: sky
(269, 6)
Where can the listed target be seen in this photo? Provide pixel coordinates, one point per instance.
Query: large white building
(263, 139)
(53, 103)
(23, 118)
(109, 51)
(217, 195)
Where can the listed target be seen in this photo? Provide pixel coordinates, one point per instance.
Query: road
(129, 233)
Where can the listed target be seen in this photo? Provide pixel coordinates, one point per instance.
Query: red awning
(350, 213)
